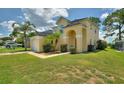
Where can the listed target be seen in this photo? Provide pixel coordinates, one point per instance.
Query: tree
(20, 40)
(14, 34)
(24, 29)
(53, 38)
(32, 34)
(95, 20)
(1, 42)
(114, 22)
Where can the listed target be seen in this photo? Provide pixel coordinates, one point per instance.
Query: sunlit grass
(105, 66)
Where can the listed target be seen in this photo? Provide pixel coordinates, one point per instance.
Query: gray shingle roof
(44, 33)
(75, 22)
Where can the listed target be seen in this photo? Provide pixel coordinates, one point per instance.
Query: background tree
(24, 29)
(114, 22)
(31, 34)
(95, 20)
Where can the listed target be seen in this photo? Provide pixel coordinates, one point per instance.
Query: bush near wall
(111, 45)
(91, 47)
(47, 47)
(101, 44)
(72, 50)
(64, 48)
(2, 43)
(119, 45)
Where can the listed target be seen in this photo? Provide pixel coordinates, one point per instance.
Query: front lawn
(99, 67)
(7, 50)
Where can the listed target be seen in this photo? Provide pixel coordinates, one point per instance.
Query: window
(95, 31)
(56, 41)
(52, 42)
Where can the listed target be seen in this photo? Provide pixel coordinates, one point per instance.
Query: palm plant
(24, 29)
(53, 38)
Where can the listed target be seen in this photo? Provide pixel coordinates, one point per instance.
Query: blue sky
(45, 18)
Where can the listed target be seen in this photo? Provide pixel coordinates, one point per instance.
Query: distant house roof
(45, 33)
(75, 22)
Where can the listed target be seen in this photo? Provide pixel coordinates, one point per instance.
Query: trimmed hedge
(101, 44)
(47, 48)
(119, 45)
(72, 50)
(91, 47)
(64, 48)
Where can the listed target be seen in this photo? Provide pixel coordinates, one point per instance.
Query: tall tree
(115, 22)
(95, 20)
(24, 29)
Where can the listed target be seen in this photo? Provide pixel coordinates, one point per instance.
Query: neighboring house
(78, 33)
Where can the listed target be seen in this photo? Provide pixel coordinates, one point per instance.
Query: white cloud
(7, 24)
(101, 35)
(104, 15)
(1, 34)
(43, 17)
(114, 9)
(107, 11)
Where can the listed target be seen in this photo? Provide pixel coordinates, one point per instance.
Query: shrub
(91, 47)
(2, 42)
(119, 45)
(111, 45)
(20, 41)
(47, 48)
(72, 50)
(64, 48)
(101, 44)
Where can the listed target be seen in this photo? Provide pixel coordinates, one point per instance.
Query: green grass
(6, 50)
(99, 67)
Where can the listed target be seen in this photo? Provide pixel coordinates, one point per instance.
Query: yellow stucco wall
(37, 43)
(80, 36)
(86, 33)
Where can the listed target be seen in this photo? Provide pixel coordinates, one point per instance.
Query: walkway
(2, 54)
(40, 55)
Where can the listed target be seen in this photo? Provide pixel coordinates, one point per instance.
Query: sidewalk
(46, 56)
(2, 54)
(41, 55)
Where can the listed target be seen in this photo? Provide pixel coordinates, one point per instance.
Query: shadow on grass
(96, 51)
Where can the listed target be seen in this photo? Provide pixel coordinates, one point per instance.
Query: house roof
(62, 18)
(45, 33)
(75, 22)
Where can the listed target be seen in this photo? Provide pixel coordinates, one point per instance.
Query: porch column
(79, 46)
(65, 39)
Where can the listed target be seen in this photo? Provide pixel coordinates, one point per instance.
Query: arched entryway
(72, 39)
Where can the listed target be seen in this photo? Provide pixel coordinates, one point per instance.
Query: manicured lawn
(5, 50)
(100, 67)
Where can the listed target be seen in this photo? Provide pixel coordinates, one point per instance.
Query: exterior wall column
(84, 40)
(79, 46)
